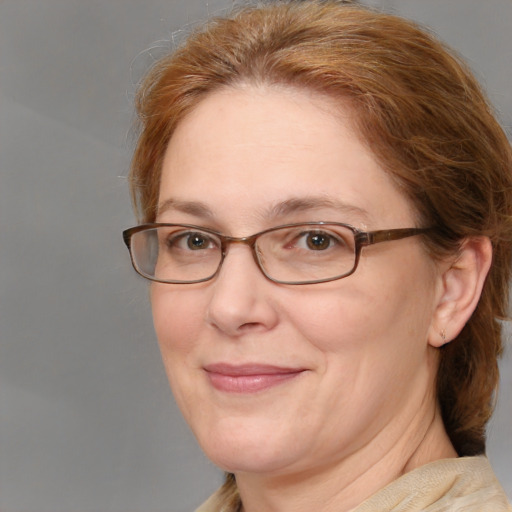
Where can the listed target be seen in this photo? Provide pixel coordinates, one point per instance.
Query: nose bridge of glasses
(250, 241)
(244, 240)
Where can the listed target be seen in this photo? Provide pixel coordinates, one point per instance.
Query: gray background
(87, 420)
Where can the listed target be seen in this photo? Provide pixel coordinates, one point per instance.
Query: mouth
(249, 378)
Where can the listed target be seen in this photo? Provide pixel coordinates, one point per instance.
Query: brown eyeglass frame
(361, 239)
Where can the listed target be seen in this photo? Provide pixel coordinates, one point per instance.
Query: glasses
(305, 253)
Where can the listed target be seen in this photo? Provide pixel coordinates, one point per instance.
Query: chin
(242, 448)
(238, 460)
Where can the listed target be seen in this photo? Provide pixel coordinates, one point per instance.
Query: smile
(249, 378)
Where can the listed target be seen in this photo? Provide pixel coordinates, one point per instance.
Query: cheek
(372, 320)
(372, 343)
(338, 320)
(177, 317)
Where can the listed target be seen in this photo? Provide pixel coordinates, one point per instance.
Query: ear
(461, 284)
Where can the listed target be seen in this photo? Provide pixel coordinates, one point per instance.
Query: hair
(419, 110)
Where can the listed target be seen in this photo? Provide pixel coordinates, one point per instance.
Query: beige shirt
(467, 484)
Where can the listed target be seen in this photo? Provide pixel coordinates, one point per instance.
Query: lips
(249, 378)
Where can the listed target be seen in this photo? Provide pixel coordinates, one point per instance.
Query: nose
(241, 297)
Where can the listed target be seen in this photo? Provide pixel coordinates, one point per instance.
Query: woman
(326, 216)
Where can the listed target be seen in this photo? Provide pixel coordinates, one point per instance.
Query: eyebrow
(278, 210)
(308, 203)
(195, 208)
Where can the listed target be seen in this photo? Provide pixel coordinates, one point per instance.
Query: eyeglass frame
(361, 239)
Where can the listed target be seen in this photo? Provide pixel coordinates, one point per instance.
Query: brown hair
(419, 110)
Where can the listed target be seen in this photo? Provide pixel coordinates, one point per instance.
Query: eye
(191, 241)
(196, 241)
(317, 240)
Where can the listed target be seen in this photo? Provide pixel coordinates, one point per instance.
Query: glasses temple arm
(386, 235)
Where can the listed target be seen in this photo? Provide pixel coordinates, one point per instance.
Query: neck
(342, 486)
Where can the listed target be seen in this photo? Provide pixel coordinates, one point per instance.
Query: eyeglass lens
(287, 254)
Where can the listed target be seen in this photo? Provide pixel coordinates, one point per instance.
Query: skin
(362, 411)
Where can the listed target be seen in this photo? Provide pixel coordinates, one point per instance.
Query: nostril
(249, 326)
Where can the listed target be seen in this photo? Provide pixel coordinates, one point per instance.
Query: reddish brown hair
(419, 110)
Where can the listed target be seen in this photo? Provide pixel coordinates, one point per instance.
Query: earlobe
(461, 286)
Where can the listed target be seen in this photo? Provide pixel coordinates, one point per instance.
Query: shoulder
(465, 484)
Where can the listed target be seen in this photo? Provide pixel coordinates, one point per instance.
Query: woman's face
(279, 378)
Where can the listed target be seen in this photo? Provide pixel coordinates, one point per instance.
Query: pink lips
(248, 378)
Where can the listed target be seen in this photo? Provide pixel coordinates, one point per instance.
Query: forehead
(247, 151)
